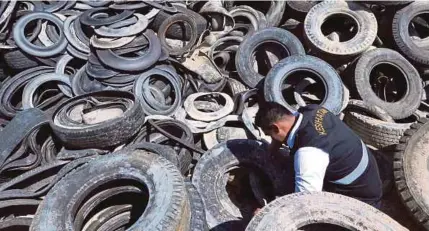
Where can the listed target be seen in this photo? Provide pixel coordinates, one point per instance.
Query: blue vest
(352, 169)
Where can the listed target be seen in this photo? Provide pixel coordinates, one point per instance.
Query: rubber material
(410, 171)
(245, 52)
(87, 18)
(102, 134)
(208, 178)
(402, 108)
(31, 87)
(25, 45)
(365, 35)
(141, 63)
(208, 116)
(300, 209)
(375, 132)
(174, 20)
(401, 35)
(334, 91)
(16, 130)
(167, 210)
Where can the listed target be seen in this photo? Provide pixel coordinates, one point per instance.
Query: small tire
(334, 88)
(401, 34)
(294, 211)
(410, 171)
(361, 41)
(409, 102)
(248, 75)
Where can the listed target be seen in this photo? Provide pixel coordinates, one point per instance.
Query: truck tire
(294, 211)
(411, 173)
(167, 209)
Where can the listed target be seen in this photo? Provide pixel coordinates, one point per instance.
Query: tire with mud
(411, 173)
(294, 211)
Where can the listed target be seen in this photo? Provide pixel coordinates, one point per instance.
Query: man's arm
(310, 167)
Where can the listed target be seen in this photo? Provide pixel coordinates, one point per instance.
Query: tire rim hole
(418, 29)
(322, 227)
(137, 200)
(388, 82)
(266, 55)
(240, 192)
(179, 28)
(311, 94)
(339, 32)
(214, 99)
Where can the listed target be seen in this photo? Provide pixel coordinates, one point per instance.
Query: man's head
(275, 120)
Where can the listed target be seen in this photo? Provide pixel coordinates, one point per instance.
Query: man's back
(352, 170)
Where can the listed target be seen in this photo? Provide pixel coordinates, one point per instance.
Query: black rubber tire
(216, 162)
(183, 155)
(389, 3)
(401, 35)
(169, 23)
(175, 32)
(402, 108)
(167, 209)
(275, 13)
(377, 133)
(198, 214)
(411, 173)
(333, 85)
(103, 134)
(17, 60)
(245, 52)
(15, 223)
(234, 87)
(299, 9)
(321, 45)
(162, 150)
(294, 211)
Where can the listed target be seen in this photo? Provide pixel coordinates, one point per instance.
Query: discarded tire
(178, 82)
(168, 208)
(302, 210)
(208, 178)
(410, 171)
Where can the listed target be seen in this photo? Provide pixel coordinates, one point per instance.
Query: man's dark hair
(269, 113)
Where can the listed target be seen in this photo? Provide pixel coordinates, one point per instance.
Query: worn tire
(176, 32)
(402, 108)
(244, 53)
(209, 173)
(168, 208)
(401, 35)
(299, 9)
(198, 214)
(411, 173)
(324, 46)
(294, 211)
(374, 132)
(103, 134)
(18, 60)
(279, 73)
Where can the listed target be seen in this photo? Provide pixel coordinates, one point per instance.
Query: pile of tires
(139, 115)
